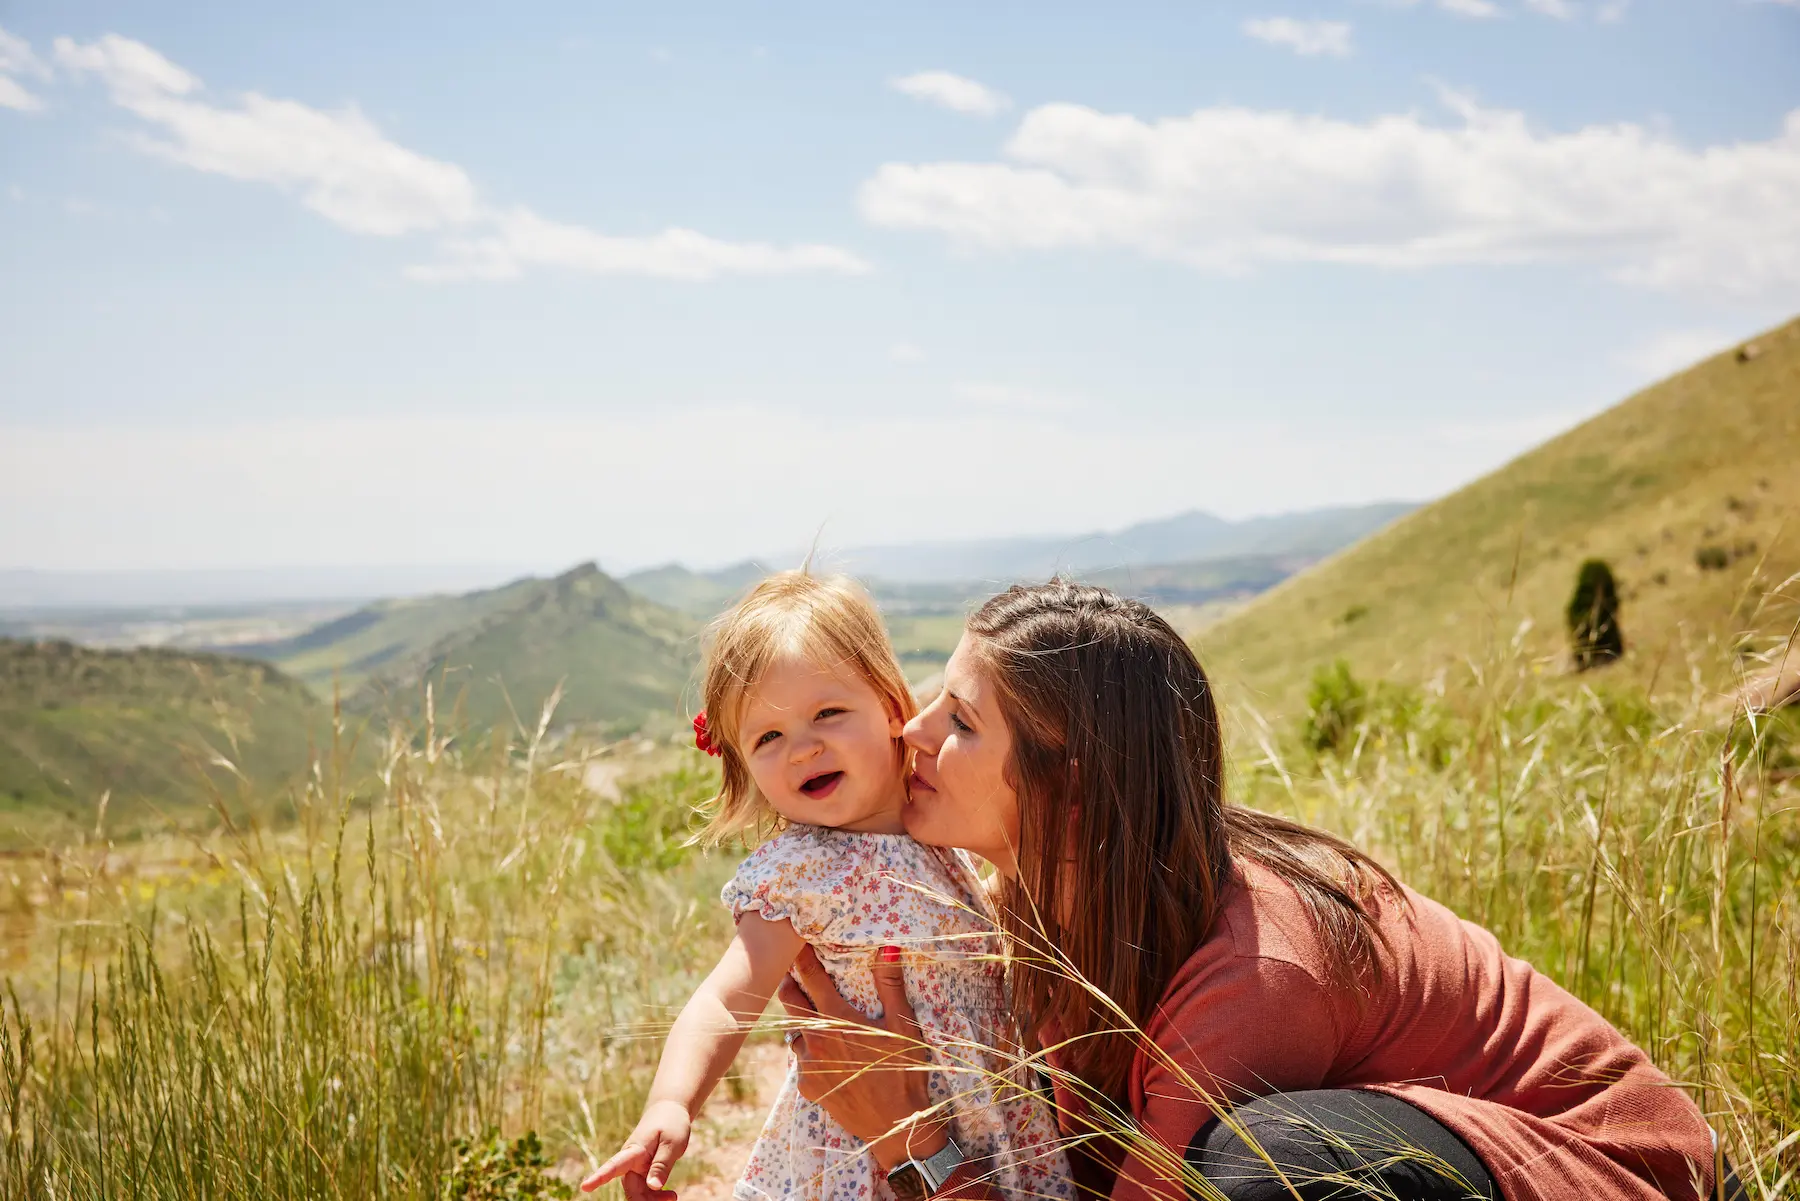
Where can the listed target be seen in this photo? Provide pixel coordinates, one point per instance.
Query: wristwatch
(917, 1179)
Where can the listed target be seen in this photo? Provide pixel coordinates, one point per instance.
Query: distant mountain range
(147, 726)
(1186, 559)
(1183, 538)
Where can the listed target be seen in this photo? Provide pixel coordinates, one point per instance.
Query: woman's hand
(870, 1076)
(644, 1162)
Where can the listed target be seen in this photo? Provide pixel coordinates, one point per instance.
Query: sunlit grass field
(475, 946)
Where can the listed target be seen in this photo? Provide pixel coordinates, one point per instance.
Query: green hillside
(1689, 489)
(144, 725)
(352, 648)
(618, 656)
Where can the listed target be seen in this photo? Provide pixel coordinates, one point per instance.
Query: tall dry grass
(476, 942)
(466, 941)
(1643, 849)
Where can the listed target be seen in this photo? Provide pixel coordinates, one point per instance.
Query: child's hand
(660, 1139)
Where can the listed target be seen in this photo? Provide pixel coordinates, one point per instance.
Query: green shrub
(492, 1169)
(1342, 712)
(1335, 706)
(1594, 634)
(1712, 558)
(648, 828)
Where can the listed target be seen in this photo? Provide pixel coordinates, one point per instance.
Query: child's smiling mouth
(822, 785)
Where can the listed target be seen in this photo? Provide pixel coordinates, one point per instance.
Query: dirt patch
(728, 1128)
(602, 778)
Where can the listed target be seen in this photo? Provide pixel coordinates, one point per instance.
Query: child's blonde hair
(829, 619)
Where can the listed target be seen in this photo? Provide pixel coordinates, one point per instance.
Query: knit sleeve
(1238, 1027)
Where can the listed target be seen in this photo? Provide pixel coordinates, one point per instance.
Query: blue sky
(421, 283)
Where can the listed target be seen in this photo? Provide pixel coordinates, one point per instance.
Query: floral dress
(848, 894)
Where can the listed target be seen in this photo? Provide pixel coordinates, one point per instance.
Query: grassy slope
(352, 648)
(1710, 457)
(76, 723)
(617, 655)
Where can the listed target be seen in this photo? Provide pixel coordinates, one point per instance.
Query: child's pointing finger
(630, 1156)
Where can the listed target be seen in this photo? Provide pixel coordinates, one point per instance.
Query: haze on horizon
(427, 286)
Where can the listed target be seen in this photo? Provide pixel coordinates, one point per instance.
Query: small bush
(647, 829)
(1342, 712)
(492, 1169)
(1712, 558)
(1335, 706)
(1593, 614)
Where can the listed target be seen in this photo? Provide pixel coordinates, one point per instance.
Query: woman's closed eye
(829, 711)
(957, 721)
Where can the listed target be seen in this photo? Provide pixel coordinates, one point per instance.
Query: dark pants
(1339, 1144)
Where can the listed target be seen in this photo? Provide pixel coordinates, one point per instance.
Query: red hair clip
(703, 736)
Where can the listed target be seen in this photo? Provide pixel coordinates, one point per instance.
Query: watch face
(938, 1167)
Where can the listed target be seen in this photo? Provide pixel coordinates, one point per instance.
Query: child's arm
(703, 1042)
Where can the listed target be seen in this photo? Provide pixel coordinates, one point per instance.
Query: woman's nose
(917, 734)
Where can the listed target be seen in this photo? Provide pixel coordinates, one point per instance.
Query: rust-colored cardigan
(1556, 1102)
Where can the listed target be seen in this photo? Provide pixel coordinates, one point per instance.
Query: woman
(1285, 1018)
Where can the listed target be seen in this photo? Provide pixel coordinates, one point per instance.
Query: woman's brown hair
(1127, 843)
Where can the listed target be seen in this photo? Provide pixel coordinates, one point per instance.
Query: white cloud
(16, 58)
(337, 491)
(1306, 38)
(952, 92)
(520, 239)
(339, 163)
(1561, 10)
(13, 95)
(346, 170)
(1671, 351)
(1227, 189)
(1479, 10)
(906, 352)
(1473, 9)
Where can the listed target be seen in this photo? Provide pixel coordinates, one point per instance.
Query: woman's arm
(705, 1039)
(1231, 1027)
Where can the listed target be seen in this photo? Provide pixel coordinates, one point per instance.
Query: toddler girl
(804, 704)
